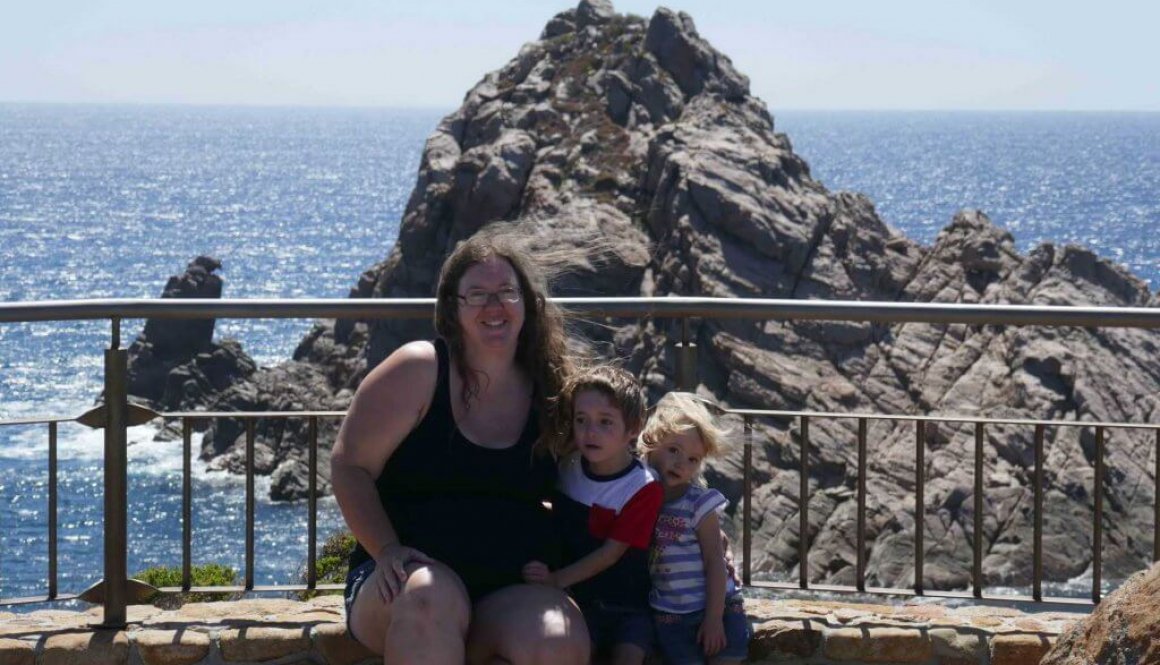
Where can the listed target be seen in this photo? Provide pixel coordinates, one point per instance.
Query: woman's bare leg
(425, 623)
(527, 625)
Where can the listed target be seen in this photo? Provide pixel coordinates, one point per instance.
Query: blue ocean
(108, 201)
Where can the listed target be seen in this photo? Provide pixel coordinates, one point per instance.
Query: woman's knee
(528, 625)
(433, 598)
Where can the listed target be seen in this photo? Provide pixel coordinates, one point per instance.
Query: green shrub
(331, 564)
(206, 575)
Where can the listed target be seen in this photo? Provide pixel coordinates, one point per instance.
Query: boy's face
(678, 458)
(600, 433)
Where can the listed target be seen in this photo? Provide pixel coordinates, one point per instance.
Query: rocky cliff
(615, 131)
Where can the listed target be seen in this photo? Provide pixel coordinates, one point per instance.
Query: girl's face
(496, 323)
(599, 432)
(678, 458)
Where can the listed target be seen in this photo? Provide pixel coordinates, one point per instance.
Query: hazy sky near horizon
(836, 54)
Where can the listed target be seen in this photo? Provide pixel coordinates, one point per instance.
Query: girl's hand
(711, 635)
(390, 569)
(536, 572)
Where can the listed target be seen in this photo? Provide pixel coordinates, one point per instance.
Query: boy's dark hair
(621, 388)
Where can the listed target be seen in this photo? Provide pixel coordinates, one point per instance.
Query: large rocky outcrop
(640, 139)
(1123, 629)
(175, 365)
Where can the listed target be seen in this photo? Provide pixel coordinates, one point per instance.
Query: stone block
(774, 640)
(337, 647)
(953, 647)
(257, 643)
(103, 647)
(171, 647)
(17, 652)
(878, 645)
(1018, 649)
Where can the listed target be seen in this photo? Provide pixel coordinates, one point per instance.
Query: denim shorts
(610, 625)
(354, 581)
(677, 635)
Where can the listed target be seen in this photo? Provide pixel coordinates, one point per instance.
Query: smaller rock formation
(174, 364)
(280, 444)
(1123, 630)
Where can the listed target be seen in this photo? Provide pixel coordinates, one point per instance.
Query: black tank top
(476, 509)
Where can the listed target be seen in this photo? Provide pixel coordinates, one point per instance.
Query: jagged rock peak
(175, 364)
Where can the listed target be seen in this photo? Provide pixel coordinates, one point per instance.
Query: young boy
(606, 509)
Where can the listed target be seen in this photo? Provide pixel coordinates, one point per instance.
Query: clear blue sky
(829, 54)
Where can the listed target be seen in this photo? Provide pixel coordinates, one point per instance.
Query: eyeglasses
(481, 298)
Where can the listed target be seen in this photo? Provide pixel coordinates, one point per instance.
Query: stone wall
(285, 632)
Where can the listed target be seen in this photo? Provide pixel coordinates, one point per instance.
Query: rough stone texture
(103, 647)
(254, 630)
(954, 647)
(779, 639)
(878, 645)
(636, 142)
(262, 643)
(17, 652)
(1124, 628)
(337, 647)
(1018, 649)
(171, 647)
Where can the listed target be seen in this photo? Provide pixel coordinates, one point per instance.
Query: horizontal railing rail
(114, 417)
(669, 307)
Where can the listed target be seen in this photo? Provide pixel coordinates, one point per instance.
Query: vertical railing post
(747, 507)
(312, 504)
(1037, 529)
(116, 462)
(52, 512)
(804, 507)
(249, 578)
(1098, 519)
(186, 504)
(686, 359)
(860, 566)
(1156, 503)
(977, 541)
(919, 501)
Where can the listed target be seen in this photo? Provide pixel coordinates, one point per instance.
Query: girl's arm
(712, 631)
(591, 565)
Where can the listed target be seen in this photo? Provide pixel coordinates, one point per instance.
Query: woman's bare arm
(389, 403)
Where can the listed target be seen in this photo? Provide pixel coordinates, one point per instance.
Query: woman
(441, 471)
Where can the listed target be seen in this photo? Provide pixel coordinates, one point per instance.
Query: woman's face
(496, 323)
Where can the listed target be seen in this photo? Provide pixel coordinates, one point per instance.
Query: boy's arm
(591, 565)
(633, 528)
(713, 558)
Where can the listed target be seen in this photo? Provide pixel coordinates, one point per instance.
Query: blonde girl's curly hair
(679, 412)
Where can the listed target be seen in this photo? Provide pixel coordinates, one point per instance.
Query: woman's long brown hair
(542, 349)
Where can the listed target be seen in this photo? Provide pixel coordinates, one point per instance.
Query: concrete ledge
(285, 632)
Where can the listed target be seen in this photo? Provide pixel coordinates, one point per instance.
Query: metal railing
(116, 415)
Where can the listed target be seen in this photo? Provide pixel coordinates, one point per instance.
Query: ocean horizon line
(423, 108)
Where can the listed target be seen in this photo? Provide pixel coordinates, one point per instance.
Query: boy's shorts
(610, 625)
(677, 635)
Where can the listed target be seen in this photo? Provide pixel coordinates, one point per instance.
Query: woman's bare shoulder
(414, 365)
(388, 404)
